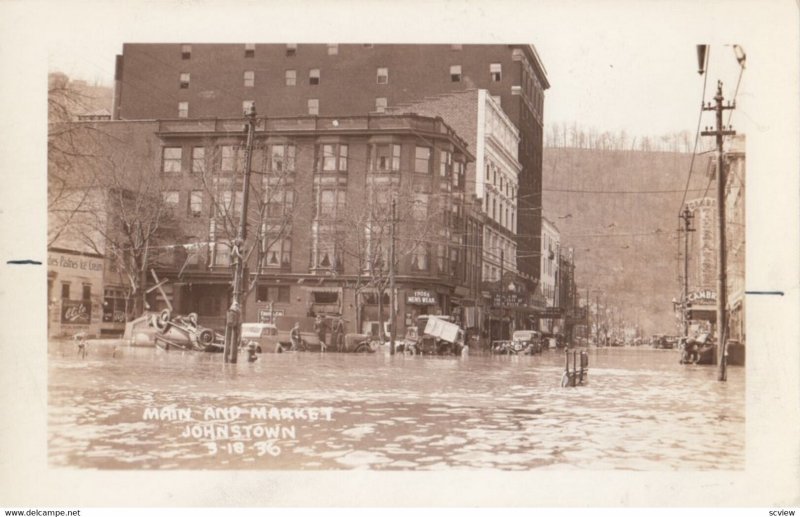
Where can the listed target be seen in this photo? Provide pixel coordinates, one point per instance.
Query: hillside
(625, 243)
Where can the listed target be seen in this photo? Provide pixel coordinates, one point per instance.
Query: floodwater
(142, 408)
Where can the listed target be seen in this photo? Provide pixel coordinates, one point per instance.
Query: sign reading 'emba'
(421, 297)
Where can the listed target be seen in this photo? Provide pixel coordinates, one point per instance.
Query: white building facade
(497, 172)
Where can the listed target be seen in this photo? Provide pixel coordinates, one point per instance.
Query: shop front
(75, 294)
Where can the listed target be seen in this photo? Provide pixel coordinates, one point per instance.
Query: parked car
(522, 342)
(263, 335)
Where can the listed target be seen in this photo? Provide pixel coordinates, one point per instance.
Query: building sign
(706, 295)
(508, 300)
(421, 297)
(74, 262)
(76, 312)
(267, 315)
(550, 313)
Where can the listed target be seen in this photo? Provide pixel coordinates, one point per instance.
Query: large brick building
(163, 81)
(318, 222)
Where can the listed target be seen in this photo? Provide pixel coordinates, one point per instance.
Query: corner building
(164, 81)
(321, 191)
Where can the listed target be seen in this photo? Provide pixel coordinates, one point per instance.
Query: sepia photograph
(524, 256)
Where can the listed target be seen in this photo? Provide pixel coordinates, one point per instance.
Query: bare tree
(271, 205)
(420, 228)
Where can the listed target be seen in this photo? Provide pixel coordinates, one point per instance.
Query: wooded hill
(619, 211)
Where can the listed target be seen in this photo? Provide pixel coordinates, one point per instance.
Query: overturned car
(183, 332)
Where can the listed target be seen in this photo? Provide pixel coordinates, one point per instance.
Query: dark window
(184, 80)
(291, 49)
(249, 50)
(87, 292)
(186, 51)
(313, 76)
(273, 293)
(65, 291)
(455, 73)
(326, 298)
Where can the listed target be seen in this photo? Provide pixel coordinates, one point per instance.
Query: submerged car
(526, 342)
(263, 336)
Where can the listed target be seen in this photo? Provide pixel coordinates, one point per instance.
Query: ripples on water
(640, 411)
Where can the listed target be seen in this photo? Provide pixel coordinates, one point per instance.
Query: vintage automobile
(697, 350)
(184, 333)
(263, 336)
(432, 335)
(526, 342)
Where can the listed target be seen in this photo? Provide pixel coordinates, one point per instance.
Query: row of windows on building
(329, 158)
(312, 106)
(291, 49)
(314, 78)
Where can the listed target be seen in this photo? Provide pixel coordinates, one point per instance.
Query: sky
(612, 65)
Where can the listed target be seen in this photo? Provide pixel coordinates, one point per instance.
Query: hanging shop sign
(268, 316)
(421, 297)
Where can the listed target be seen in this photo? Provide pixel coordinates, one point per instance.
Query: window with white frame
(380, 104)
(332, 157)
(184, 80)
(198, 160)
(422, 160)
(382, 75)
(455, 73)
(386, 158)
(331, 203)
(282, 158)
(171, 199)
(232, 158)
(280, 201)
(290, 77)
(496, 72)
(419, 258)
(291, 49)
(445, 163)
(171, 158)
(313, 76)
(196, 203)
(313, 106)
(186, 51)
(247, 106)
(183, 109)
(333, 49)
(276, 246)
(323, 250)
(249, 50)
(249, 78)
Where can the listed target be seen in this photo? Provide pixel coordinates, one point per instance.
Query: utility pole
(392, 300)
(722, 299)
(687, 220)
(233, 320)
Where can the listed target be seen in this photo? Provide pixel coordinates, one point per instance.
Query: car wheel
(445, 349)
(206, 337)
(363, 348)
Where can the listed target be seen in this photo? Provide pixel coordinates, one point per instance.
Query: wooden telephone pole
(687, 221)
(233, 320)
(722, 299)
(392, 294)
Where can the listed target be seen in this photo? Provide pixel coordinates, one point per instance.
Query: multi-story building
(162, 81)
(735, 231)
(550, 257)
(493, 179)
(319, 221)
